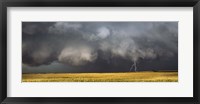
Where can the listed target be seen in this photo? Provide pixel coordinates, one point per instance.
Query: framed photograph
(99, 51)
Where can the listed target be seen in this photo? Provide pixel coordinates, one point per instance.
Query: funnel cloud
(99, 46)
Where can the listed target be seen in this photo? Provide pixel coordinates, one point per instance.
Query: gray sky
(98, 46)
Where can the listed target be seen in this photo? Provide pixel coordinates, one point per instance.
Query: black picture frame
(98, 3)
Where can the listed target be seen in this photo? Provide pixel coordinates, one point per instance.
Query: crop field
(102, 77)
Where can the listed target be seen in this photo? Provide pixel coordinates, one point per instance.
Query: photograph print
(100, 51)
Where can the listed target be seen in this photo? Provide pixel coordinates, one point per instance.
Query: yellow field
(103, 77)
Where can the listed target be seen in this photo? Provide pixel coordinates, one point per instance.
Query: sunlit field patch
(146, 76)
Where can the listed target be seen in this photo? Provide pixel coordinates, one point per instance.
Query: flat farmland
(146, 76)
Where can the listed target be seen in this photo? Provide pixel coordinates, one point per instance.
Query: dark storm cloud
(97, 45)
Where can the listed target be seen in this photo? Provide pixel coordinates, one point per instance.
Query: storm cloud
(99, 46)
